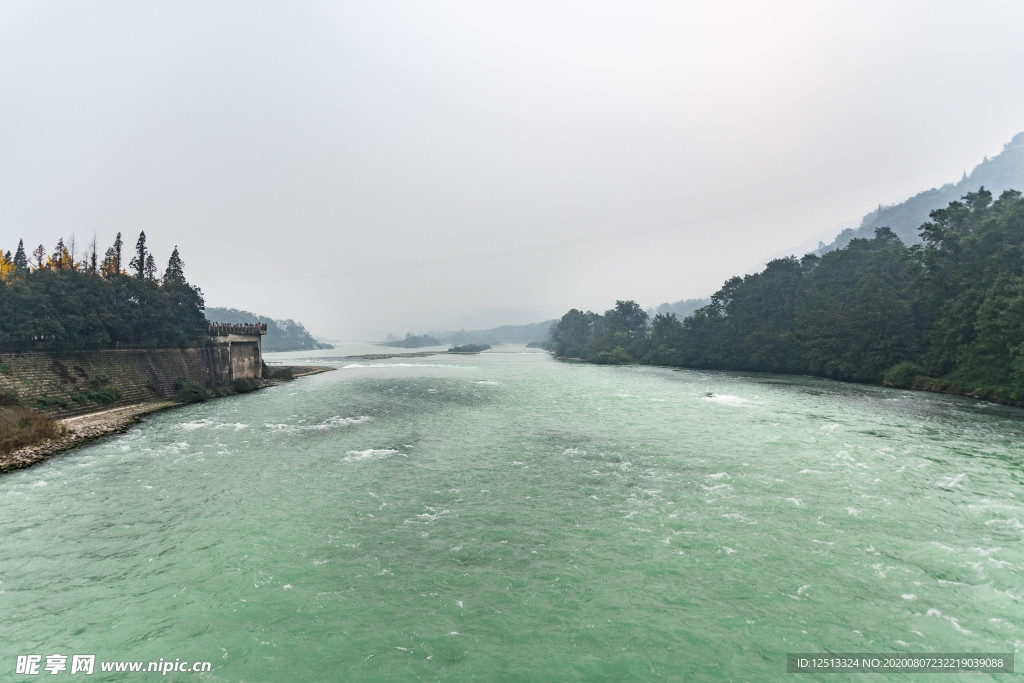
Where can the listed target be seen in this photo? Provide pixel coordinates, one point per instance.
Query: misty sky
(379, 166)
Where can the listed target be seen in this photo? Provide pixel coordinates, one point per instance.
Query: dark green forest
(54, 302)
(946, 314)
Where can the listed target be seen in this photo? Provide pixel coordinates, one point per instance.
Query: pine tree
(150, 267)
(138, 262)
(20, 261)
(57, 258)
(117, 253)
(93, 265)
(39, 253)
(175, 273)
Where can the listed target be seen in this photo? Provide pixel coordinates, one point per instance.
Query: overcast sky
(379, 166)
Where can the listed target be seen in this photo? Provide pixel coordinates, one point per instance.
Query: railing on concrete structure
(224, 329)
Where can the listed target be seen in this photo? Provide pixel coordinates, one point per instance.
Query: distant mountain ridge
(507, 334)
(1004, 171)
(682, 309)
(282, 335)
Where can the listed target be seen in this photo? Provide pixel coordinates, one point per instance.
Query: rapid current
(506, 516)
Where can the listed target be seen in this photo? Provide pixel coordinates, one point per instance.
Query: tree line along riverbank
(943, 315)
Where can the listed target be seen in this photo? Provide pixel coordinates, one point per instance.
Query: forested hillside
(282, 335)
(56, 302)
(945, 314)
(1002, 172)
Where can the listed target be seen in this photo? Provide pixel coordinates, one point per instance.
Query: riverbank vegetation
(945, 315)
(20, 427)
(412, 341)
(469, 348)
(54, 301)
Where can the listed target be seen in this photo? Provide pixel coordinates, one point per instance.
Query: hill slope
(1002, 172)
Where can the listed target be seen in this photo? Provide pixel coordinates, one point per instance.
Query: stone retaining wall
(51, 382)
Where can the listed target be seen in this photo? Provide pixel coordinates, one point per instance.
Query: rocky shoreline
(83, 429)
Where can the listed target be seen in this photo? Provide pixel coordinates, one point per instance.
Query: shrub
(50, 402)
(244, 384)
(902, 375)
(22, 427)
(187, 391)
(285, 373)
(104, 395)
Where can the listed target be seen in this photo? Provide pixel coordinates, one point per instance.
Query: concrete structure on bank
(245, 347)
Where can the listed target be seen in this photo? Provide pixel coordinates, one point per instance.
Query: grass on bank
(20, 426)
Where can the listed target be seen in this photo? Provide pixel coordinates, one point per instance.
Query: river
(508, 516)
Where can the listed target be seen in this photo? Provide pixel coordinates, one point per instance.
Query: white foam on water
(795, 501)
(399, 365)
(486, 381)
(814, 540)
(198, 424)
(853, 512)
(801, 589)
(809, 472)
(336, 421)
(952, 620)
(368, 453)
(38, 484)
(1009, 523)
(718, 475)
(726, 399)
(715, 487)
(951, 482)
(339, 421)
(574, 451)
(987, 504)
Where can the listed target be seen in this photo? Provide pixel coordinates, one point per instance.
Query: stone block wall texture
(246, 360)
(49, 382)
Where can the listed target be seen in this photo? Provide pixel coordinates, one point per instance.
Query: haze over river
(509, 516)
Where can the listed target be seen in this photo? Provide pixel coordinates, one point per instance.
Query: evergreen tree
(20, 261)
(93, 266)
(138, 262)
(57, 258)
(175, 273)
(117, 253)
(150, 267)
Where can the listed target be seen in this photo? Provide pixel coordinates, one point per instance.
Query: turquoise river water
(506, 516)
